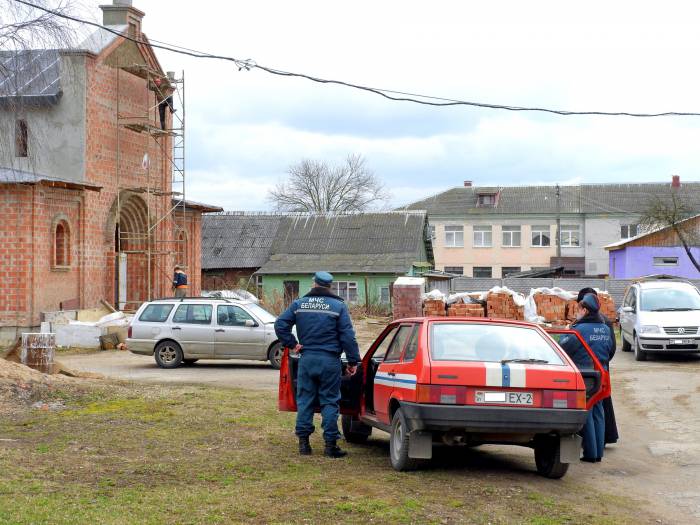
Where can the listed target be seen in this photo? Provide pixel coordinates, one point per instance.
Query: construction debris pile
(551, 306)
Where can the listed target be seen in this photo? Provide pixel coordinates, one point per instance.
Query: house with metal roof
(365, 252)
(493, 231)
(234, 246)
(657, 252)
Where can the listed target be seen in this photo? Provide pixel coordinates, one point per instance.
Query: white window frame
(454, 236)
(482, 236)
(388, 295)
(460, 270)
(478, 277)
(569, 233)
(660, 261)
(349, 285)
(504, 268)
(628, 227)
(486, 200)
(540, 229)
(431, 232)
(509, 231)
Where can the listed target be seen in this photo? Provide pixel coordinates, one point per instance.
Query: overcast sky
(245, 128)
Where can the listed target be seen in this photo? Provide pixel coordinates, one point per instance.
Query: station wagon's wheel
(275, 355)
(626, 346)
(189, 362)
(639, 354)
(398, 444)
(547, 458)
(168, 354)
(354, 430)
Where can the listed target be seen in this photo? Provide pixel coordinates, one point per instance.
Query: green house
(365, 252)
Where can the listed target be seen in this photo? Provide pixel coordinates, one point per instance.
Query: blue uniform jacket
(179, 279)
(597, 334)
(323, 325)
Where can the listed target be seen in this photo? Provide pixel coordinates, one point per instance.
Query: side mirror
(627, 309)
(250, 323)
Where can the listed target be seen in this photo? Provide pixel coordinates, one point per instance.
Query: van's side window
(156, 313)
(193, 314)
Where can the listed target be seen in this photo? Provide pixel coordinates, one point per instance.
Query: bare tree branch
(670, 210)
(314, 186)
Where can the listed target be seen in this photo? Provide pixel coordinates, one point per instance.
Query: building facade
(497, 231)
(86, 198)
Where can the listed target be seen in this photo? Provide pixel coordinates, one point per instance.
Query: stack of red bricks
(607, 306)
(466, 310)
(552, 308)
(406, 301)
(502, 306)
(571, 307)
(434, 307)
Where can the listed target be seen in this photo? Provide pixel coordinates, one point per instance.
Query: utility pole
(558, 237)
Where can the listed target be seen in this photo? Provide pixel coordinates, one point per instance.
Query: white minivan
(660, 316)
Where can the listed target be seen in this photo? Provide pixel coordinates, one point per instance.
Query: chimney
(675, 181)
(122, 13)
(467, 184)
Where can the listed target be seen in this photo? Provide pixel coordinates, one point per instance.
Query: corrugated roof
(388, 242)
(31, 77)
(14, 176)
(101, 38)
(519, 200)
(237, 240)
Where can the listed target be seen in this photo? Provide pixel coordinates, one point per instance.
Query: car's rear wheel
(274, 355)
(547, 458)
(639, 354)
(189, 362)
(398, 444)
(626, 345)
(355, 431)
(168, 354)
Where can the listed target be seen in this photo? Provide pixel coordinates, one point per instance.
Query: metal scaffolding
(143, 233)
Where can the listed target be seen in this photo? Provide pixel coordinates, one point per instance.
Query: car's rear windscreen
(489, 342)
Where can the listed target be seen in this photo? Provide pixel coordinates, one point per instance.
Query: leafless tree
(670, 210)
(315, 186)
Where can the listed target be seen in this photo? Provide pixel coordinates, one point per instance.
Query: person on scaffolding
(180, 282)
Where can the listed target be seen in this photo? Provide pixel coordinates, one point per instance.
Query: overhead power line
(391, 94)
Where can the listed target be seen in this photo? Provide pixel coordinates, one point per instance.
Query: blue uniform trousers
(594, 432)
(318, 381)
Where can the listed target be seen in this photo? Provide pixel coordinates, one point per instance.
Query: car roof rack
(191, 298)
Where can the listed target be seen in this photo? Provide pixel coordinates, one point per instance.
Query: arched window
(61, 244)
(181, 249)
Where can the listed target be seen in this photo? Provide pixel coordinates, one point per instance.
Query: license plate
(682, 342)
(505, 398)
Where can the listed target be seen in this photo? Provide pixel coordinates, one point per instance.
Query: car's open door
(350, 387)
(595, 377)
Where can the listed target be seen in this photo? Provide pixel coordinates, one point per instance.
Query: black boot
(304, 446)
(332, 450)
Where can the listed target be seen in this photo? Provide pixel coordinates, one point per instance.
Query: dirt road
(657, 459)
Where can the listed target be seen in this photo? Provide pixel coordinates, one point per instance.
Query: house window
(665, 261)
(482, 271)
(431, 233)
(507, 270)
(384, 295)
(259, 285)
(570, 237)
(482, 236)
(454, 236)
(486, 199)
(61, 244)
(627, 231)
(21, 138)
(347, 290)
(541, 236)
(511, 236)
(457, 270)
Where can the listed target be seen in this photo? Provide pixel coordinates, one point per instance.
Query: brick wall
(406, 301)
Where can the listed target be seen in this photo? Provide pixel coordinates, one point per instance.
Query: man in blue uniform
(325, 331)
(593, 329)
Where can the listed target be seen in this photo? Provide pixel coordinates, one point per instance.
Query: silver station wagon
(181, 331)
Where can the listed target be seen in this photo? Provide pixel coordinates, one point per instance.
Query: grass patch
(196, 455)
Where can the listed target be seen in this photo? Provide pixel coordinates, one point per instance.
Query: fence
(615, 287)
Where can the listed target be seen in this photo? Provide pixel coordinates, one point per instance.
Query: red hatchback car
(467, 381)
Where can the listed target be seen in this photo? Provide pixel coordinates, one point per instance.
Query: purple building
(657, 252)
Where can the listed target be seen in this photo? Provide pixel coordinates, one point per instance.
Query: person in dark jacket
(592, 328)
(611, 433)
(180, 282)
(325, 331)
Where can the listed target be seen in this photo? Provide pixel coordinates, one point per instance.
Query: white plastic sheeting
(238, 294)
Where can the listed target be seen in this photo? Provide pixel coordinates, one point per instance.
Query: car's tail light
(441, 394)
(564, 399)
(129, 332)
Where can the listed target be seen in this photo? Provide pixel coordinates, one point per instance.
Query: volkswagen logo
(681, 330)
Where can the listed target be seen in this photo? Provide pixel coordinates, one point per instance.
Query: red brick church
(92, 204)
